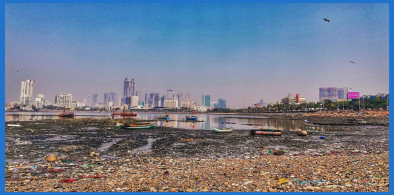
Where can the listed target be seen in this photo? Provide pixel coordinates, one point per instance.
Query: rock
(173, 190)
(51, 158)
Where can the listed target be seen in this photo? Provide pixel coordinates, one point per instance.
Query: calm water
(179, 120)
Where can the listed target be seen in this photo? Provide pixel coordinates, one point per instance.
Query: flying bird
(325, 20)
(17, 71)
(352, 62)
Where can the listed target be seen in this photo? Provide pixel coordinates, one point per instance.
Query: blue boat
(191, 118)
(164, 117)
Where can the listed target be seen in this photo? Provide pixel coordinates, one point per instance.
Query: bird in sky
(352, 62)
(17, 71)
(325, 20)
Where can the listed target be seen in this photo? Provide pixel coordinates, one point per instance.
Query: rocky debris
(356, 173)
(333, 117)
(91, 157)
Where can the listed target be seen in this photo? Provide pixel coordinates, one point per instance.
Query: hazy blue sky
(239, 52)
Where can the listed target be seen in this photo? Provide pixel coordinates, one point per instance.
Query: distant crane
(326, 20)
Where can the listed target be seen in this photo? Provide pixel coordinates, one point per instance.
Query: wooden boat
(124, 113)
(276, 132)
(164, 117)
(66, 114)
(132, 126)
(223, 130)
(191, 118)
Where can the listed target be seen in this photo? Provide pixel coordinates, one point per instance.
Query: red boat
(124, 113)
(66, 114)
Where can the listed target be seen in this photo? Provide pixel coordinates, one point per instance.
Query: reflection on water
(179, 121)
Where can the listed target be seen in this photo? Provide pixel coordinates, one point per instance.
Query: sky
(239, 52)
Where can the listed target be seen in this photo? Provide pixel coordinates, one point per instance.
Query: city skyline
(241, 53)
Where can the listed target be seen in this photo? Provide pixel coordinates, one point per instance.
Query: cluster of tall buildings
(130, 99)
(333, 93)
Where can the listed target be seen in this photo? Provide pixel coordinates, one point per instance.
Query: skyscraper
(106, 99)
(222, 103)
(163, 98)
(151, 100)
(206, 100)
(138, 93)
(110, 97)
(330, 93)
(128, 88)
(146, 99)
(94, 100)
(27, 88)
(157, 100)
(170, 93)
(342, 93)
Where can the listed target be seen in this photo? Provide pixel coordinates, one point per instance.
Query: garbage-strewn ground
(351, 158)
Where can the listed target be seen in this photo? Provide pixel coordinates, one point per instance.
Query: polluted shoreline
(134, 160)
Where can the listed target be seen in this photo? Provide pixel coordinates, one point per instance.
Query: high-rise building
(342, 93)
(27, 88)
(222, 103)
(330, 93)
(110, 97)
(262, 103)
(289, 95)
(157, 100)
(181, 99)
(138, 93)
(151, 100)
(171, 103)
(134, 101)
(94, 100)
(163, 98)
(146, 99)
(170, 93)
(206, 100)
(62, 100)
(128, 88)
(114, 98)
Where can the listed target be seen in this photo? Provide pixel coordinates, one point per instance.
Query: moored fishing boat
(133, 126)
(164, 117)
(223, 130)
(124, 113)
(191, 118)
(276, 132)
(66, 114)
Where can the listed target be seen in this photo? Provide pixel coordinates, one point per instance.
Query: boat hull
(164, 118)
(262, 132)
(191, 119)
(67, 115)
(147, 126)
(217, 130)
(124, 114)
